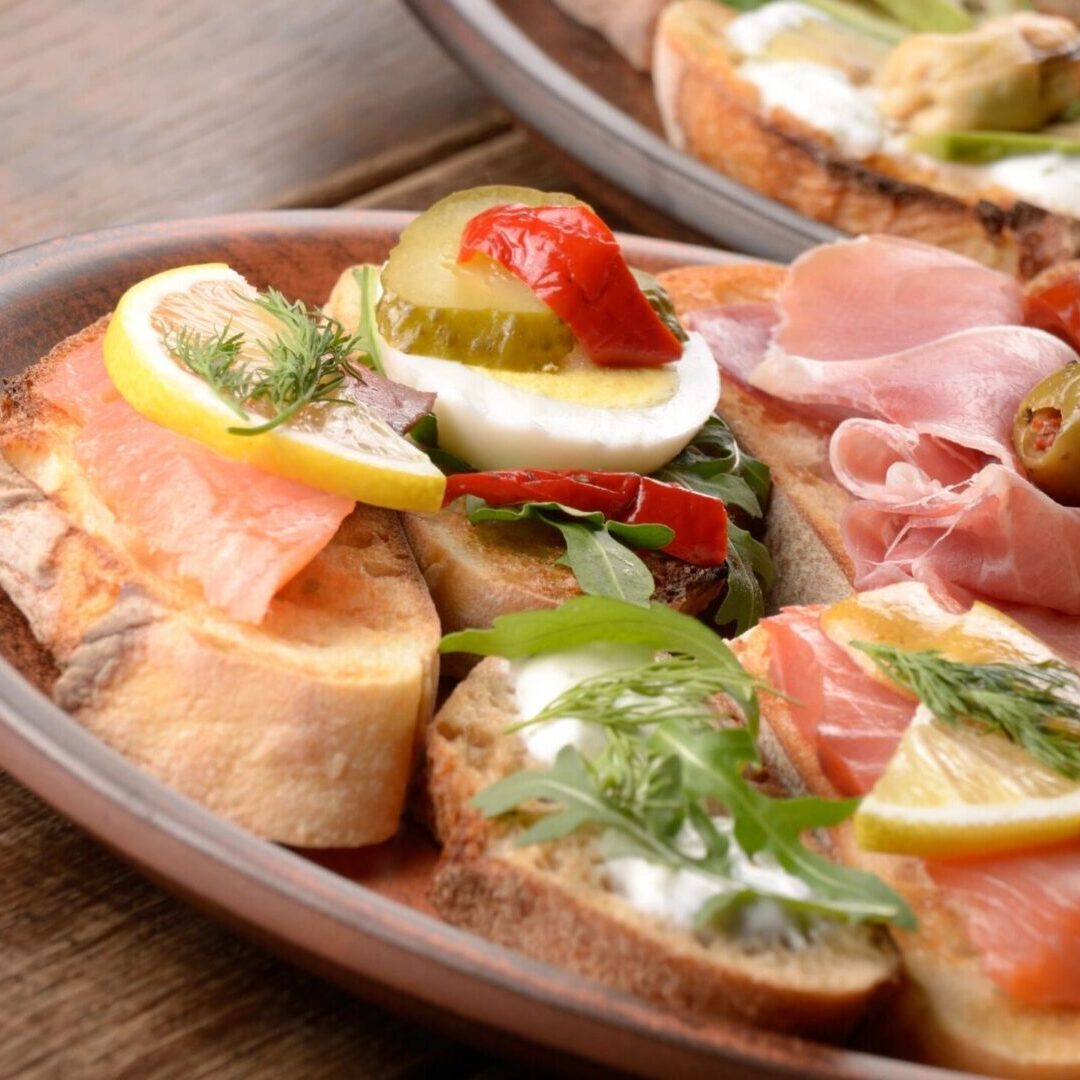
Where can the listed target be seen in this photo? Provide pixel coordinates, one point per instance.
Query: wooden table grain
(114, 112)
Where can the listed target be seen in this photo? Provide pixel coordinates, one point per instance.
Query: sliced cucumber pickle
(478, 313)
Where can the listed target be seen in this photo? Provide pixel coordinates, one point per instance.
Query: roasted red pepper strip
(1056, 309)
(572, 262)
(699, 521)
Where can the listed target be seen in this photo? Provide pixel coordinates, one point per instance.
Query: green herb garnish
(307, 361)
(596, 547)
(216, 358)
(1035, 705)
(714, 464)
(667, 774)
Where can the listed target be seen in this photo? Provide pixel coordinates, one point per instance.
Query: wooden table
(115, 112)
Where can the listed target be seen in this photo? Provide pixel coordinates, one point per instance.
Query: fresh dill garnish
(216, 358)
(1035, 705)
(307, 360)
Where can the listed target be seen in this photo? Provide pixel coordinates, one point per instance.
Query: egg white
(493, 425)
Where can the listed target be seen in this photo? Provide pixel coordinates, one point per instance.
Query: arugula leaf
(660, 302)
(603, 566)
(714, 464)
(425, 433)
(584, 619)
(749, 568)
(367, 337)
(595, 550)
(654, 789)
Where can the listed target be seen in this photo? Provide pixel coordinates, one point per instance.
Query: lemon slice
(345, 449)
(956, 791)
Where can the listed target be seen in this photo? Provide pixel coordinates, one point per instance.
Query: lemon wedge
(951, 792)
(347, 449)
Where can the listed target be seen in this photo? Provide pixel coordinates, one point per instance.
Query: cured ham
(854, 724)
(238, 532)
(920, 357)
(864, 298)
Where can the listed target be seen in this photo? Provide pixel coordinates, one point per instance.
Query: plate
(356, 917)
(566, 83)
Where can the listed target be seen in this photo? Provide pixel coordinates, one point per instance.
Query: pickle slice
(478, 313)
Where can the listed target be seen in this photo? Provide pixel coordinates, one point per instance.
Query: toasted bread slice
(550, 901)
(303, 729)
(716, 116)
(949, 1013)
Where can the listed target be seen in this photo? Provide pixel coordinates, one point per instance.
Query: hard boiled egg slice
(583, 417)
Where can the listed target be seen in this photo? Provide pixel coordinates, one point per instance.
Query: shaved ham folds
(1021, 911)
(238, 532)
(920, 356)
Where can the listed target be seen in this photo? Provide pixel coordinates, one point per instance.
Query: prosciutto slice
(919, 355)
(860, 299)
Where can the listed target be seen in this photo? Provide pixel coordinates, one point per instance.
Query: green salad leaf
(596, 547)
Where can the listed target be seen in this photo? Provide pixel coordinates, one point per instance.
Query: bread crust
(549, 901)
(714, 115)
(303, 729)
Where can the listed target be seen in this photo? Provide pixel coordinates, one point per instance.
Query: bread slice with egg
(949, 1012)
(478, 572)
(716, 115)
(552, 902)
(303, 728)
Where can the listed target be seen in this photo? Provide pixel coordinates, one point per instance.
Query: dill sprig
(1035, 705)
(216, 358)
(309, 360)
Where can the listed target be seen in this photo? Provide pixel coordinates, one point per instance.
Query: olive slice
(1046, 434)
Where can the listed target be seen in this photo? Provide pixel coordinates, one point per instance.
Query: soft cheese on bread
(302, 727)
(805, 133)
(581, 901)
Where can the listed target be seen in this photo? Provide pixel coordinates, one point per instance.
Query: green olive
(1046, 434)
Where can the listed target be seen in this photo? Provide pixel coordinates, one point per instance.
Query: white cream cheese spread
(674, 895)
(751, 32)
(824, 99)
(1049, 181)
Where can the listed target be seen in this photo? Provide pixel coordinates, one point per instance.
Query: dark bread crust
(716, 116)
(548, 901)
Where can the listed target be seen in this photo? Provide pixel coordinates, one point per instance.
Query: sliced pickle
(513, 340)
(478, 313)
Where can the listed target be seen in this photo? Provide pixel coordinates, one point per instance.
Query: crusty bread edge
(715, 116)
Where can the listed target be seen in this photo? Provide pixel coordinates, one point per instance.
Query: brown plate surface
(358, 917)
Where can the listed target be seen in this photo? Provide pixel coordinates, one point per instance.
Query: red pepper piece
(1056, 309)
(699, 521)
(572, 262)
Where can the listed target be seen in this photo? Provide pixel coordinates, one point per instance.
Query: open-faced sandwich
(201, 522)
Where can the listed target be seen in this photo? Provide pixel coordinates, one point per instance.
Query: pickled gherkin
(477, 313)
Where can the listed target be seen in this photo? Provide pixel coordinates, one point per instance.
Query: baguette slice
(303, 729)
(949, 1012)
(550, 901)
(714, 115)
(478, 572)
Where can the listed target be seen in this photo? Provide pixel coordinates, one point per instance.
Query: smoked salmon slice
(1021, 910)
(239, 532)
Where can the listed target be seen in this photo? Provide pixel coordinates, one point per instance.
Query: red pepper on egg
(571, 260)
